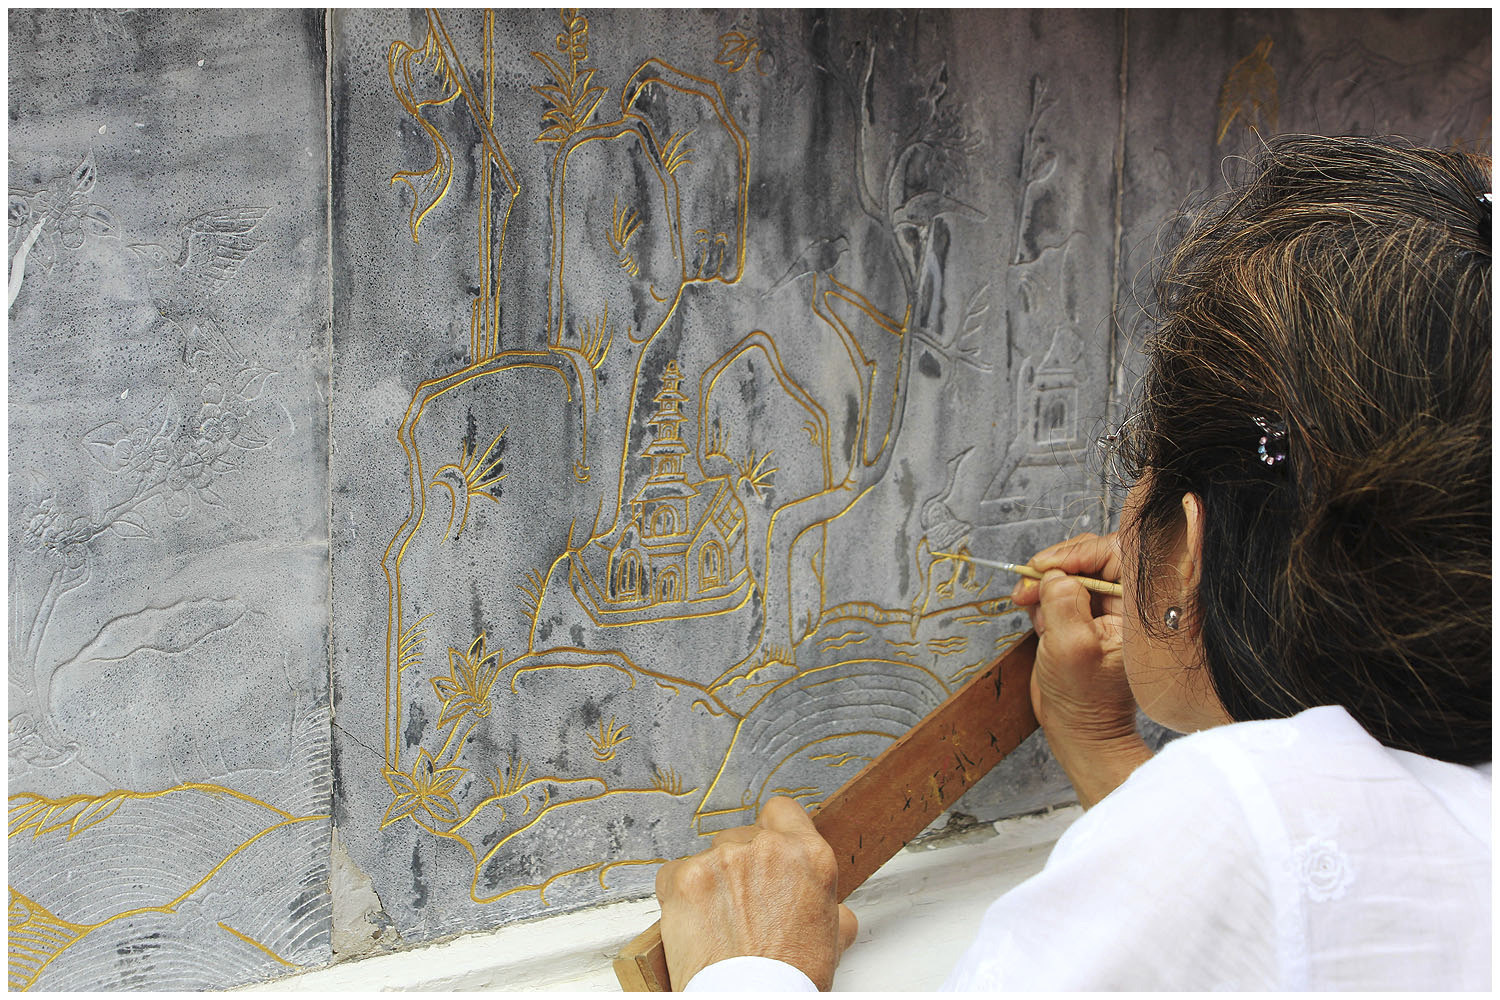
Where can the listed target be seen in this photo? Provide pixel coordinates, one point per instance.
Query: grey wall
(660, 367)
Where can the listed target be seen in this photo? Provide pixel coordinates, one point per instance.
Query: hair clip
(1273, 445)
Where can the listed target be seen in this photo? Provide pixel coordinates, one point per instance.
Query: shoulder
(1160, 885)
(1278, 783)
(1291, 854)
(1187, 797)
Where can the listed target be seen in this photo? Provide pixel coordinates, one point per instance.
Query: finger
(1068, 613)
(1108, 604)
(1110, 627)
(1083, 543)
(1025, 593)
(1086, 555)
(735, 835)
(665, 879)
(785, 816)
(848, 928)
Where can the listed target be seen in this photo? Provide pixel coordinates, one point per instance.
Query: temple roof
(667, 417)
(664, 490)
(665, 446)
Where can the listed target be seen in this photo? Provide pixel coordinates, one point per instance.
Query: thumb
(1066, 607)
(848, 928)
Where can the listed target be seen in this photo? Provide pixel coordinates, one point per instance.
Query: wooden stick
(899, 793)
(1097, 586)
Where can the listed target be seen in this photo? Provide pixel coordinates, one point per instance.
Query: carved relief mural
(524, 441)
(682, 442)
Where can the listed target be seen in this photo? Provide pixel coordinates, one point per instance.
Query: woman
(1305, 555)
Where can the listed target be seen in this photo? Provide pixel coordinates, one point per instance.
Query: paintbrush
(1097, 586)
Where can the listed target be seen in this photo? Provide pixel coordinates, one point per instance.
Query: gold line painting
(663, 515)
(38, 936)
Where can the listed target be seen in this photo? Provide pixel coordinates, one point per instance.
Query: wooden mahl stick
(899, 793)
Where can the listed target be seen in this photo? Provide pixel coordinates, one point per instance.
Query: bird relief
(184, 287)
(162, 457)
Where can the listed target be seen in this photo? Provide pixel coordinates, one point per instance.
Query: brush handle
(1089, 583)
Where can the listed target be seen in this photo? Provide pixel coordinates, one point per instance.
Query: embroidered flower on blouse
(1323, 869)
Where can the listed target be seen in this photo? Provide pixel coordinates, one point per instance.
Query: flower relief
(59, 536)
(59, 216)
(1322, 869)
(428, 788)
(178, 459)
(466, 688)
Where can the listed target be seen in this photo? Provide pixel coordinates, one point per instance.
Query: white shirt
(1288, 854)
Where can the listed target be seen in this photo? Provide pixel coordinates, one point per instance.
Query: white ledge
(917, 916)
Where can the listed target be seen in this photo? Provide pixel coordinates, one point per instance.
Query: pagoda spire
(667, 447)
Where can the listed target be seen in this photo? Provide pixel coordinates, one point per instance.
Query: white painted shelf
(917, 915)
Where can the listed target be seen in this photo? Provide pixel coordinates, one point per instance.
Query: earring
(1173, 618)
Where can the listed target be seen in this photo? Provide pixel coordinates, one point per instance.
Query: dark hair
(1344, 289)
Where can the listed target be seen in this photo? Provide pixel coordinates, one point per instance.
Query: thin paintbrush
(1097, 586)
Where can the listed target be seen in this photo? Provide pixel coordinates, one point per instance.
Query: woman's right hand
(1079, 689)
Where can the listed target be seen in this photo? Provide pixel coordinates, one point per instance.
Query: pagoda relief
(682, 550)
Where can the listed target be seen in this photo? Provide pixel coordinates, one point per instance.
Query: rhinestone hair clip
(1273, 444)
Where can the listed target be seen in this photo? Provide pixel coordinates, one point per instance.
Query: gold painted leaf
(76, 813)
(1249, 92)
(735, 50)
(401, 806)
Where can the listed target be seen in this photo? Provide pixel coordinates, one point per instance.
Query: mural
(724, 326)
(478, 454)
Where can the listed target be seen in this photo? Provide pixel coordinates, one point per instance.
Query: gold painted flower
(467, 686)
(427, 788)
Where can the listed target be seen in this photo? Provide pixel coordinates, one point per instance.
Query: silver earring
(1173, 618)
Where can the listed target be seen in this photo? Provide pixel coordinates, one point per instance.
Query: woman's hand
(1079, 690)
(770, 889)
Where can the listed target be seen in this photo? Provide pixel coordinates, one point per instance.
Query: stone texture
(169, 763)
(1201, 82)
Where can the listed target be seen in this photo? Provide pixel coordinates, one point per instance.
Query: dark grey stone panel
(670, 347)
(168, 764)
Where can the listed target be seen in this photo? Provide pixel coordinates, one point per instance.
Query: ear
(1187, 560)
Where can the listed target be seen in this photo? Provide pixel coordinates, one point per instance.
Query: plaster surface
(168, 760)
(1425, 76)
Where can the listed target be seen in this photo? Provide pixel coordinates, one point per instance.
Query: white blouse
(1290, 854)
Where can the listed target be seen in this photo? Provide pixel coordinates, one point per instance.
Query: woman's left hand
(770, 889)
